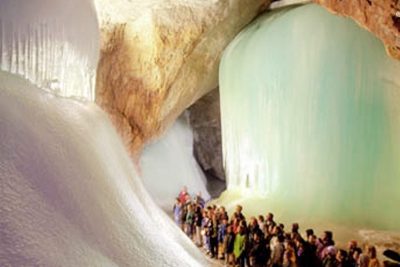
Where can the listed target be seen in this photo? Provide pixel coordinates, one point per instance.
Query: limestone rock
(381, 17)
(205, 120)
(158, 57)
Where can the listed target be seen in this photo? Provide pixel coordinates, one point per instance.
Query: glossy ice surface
(53, 43)
(311, 118)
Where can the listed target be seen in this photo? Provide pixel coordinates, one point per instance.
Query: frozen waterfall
(311, 118)
(52, 43)
(168, 164)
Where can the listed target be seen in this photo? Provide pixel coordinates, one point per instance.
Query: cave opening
(205, 121)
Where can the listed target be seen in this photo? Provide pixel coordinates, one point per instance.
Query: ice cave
(108, 108)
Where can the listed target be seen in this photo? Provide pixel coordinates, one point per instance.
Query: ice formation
(53, 43)
(168, 164)
(310, 118)
(70, 195)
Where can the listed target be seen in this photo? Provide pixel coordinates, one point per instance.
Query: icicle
(39, 42)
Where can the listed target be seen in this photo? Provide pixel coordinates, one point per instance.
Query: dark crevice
(215, 186)
(396, 22)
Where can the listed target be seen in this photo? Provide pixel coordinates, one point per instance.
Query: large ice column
(168, 164)
(69, 192)
(311, 118)
(53, 43)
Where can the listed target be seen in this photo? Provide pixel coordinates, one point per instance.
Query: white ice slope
(69, 193)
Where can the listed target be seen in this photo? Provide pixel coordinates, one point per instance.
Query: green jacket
(239, 245)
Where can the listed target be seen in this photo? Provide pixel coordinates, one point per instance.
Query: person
(235, 225)
(363, 260)
(309, 232)
(189, 221)
(229, 241)
(206, 221)
(289, 258)
(312, 243)
(290, 245)
(239, 246)
(353, 252)
(238, 213)
(199, 200)
(355, 261)
(330, 257)
(304, 253)
(269, 222)
(198, 219)
(258, 254)
(342, 259)
(277, 250)
(325, 242)
(373, 260)
(221, 236)
(275, 233)
(353, 247)
(177, 210)
(253, 228)
(261, 223)
(183, 216)
(213, 235)
(295, 231)
(187, 200)
(183, 195)
(222, 214)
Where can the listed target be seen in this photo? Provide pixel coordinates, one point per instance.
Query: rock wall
(158, 57)
(205, 119)
(381, 17)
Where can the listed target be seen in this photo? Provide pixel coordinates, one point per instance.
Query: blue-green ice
(311, 118)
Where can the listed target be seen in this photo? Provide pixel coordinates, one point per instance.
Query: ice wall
(311, 118)
(69, 193)
(168, 164)
(53, 43)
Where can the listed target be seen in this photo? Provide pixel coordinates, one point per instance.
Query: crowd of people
(261, 241)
